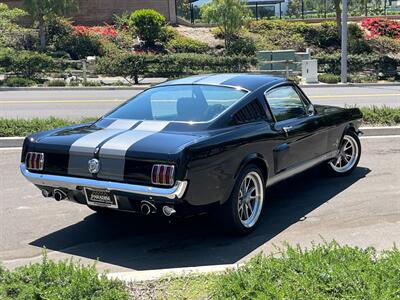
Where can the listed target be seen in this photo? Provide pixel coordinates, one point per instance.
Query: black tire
(333, 167)
(229, 211)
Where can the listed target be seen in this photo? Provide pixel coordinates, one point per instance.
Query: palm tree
(42, 10)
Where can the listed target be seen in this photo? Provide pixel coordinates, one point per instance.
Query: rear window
(189, 103)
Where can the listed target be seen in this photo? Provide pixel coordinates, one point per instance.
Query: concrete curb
(151, 275)
(145, 86)
(9, 142)
(346, 85)
(79, 88)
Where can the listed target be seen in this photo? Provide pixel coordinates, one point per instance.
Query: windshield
(179, 103)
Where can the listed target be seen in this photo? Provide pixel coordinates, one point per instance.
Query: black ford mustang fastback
(194, 143)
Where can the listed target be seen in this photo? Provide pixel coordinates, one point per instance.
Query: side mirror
(310, 110)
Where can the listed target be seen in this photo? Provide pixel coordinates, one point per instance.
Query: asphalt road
(362, 209)
(79, 104)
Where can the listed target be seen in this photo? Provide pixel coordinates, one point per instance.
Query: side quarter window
(285, 103)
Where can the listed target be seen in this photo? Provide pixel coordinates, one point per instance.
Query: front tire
(240, 214)
(349, 155)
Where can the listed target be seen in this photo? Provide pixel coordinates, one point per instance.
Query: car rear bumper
(75, 183)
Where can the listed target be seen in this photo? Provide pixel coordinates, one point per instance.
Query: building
(92, 12)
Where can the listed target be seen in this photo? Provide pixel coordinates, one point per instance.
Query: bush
(59, 280)
(355, 78)
(329, 78)
(384, 45)
(168, 33)
(241, 45)
(357, 42)
(182, 44)
(148, 24)
(15, 81)
(381, 115)
(330, 63)
(382, 26)
(133, 65)
(57, 82)
(78, 45)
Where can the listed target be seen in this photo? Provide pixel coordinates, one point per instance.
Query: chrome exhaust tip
(59, 195)
(46, 193)
(146, 208)
(168, 211)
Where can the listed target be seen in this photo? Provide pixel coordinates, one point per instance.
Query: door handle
(287, 128)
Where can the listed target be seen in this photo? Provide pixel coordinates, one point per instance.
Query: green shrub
(385, 45)
(329, 78)
(57, 82)
(91, 83)
(168, 33)
(172, 65)
(330, 63)
(25, 63)
(356, 78)
(78, 45)
(148, 24)
(15, 81)
(241, 45)
(279, 39)
(182, 44)
(59, 280)
(381, 115)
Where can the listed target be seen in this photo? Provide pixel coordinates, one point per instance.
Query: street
(362, 209)
(78, 104)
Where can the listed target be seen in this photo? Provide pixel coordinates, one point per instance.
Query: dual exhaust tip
(147, 208)
(57, 194)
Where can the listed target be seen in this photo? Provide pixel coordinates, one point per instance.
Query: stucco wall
(101, 11)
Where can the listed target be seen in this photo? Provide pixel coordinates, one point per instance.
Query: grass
(373, 116)
(327, 271)
(24, 127)
(381, 115)
(59, 280)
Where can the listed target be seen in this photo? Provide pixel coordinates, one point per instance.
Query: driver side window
(285, 103)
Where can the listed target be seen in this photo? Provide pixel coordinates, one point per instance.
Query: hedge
(25, 63)
(330, 63)
(172, 65)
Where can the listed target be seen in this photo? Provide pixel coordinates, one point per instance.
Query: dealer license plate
(100, 198)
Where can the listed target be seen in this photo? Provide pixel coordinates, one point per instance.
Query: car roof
(249, 82)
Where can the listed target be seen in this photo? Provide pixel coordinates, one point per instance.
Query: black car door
(294, 118)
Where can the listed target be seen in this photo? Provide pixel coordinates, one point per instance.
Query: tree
(8, 25)
(338, 10)
(229, 15)
(42, 10)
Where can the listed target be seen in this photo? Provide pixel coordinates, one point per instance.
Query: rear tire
(348, 157)
(241, 212)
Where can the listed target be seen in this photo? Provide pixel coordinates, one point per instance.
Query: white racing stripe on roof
(217, 79)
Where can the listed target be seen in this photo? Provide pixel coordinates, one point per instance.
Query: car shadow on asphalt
(140, 243)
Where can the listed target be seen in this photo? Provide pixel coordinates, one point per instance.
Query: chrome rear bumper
(71, 183)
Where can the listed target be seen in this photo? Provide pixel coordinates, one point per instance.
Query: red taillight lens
(34, 161)
(163, 174)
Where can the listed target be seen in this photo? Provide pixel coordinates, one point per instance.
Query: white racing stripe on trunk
(121, 143)
(112, 154)
(89, 142)
(83, 149)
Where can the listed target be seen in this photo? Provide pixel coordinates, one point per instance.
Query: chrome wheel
(251, 197)
(347, 157)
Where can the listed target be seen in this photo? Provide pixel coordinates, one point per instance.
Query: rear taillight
(163, 174)
(34, 161)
